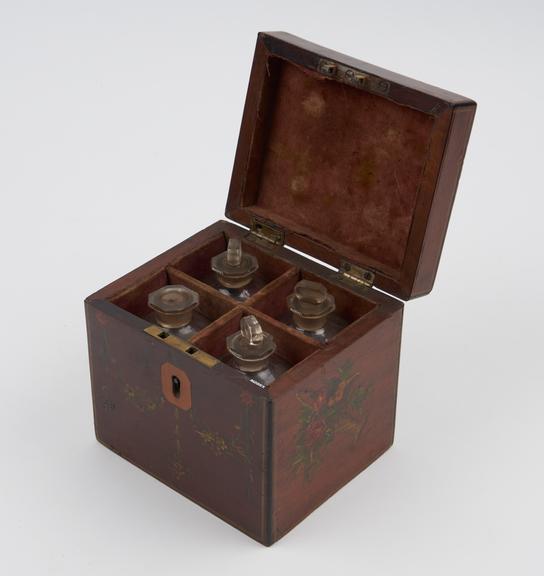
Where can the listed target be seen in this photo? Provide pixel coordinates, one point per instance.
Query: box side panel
(211, 450)
(333, 424)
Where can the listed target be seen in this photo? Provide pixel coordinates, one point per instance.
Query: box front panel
(334, 423)
(204, 438)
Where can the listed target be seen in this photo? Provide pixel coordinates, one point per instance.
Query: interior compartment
(218, 316)
(211, 304)
(349, 306)
(197, 265)
(291, 348)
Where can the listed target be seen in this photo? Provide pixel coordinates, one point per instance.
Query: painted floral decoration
(339, 406)
(239, 443)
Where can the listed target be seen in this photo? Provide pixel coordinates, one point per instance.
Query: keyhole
(176, 386)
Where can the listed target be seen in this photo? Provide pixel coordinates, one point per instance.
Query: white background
(111, 111)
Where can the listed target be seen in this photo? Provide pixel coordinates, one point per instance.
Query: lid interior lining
(342, 163)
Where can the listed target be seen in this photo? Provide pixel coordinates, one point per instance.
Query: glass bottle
(174, 310)
(252, 352)
(234, 270)
(311, 306)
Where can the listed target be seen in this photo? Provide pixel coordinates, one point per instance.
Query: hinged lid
(348, 163)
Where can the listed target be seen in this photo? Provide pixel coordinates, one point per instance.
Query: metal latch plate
(182, 345)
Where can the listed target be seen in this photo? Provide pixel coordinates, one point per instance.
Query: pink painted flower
(316, 430)
(320, 400)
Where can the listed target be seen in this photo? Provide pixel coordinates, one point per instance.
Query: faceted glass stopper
(234, 268)
(173, 305)
(251, 347)
(310, 305)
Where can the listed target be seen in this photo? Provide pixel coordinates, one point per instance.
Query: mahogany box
(355, 168)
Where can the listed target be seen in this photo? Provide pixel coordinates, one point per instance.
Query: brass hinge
(356, 275)
(266, 234)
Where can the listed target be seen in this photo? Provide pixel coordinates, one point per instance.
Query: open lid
(354, 163)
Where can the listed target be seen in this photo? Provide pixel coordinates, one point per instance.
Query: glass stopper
(310, 305)
(234, 268)
(173, 305)
(234, 252)
(251, 347)
(251, 330)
